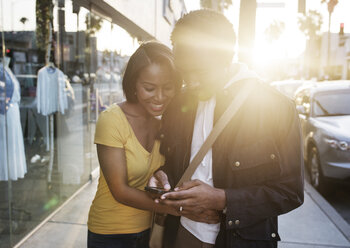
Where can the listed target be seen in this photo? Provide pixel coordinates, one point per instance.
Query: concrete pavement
(313, 225)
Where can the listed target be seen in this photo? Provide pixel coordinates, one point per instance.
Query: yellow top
(107, 216)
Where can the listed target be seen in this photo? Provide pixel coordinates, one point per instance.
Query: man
(254, 171)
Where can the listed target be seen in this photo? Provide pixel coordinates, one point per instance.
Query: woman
(128, 152)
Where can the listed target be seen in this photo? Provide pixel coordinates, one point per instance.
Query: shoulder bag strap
(217, 129)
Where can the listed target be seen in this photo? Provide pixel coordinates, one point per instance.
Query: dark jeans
(132, 240)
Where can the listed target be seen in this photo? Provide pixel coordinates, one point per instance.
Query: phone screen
(156, 190)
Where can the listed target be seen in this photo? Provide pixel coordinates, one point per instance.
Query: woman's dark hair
(151, 52)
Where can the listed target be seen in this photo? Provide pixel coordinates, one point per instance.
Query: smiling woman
(128, 150)
(154, 89)
(151, 69)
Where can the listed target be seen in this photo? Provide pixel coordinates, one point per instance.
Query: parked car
(289, 87)
(324, 111)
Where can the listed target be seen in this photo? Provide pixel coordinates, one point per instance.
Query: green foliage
(274, 31)
(218, 5)
(93, 23)
(330, 4)
(310, 24)
(44, 18)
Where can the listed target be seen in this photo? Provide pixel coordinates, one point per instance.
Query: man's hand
(207, 216)
(195, 197)
(159, 179)
(173, 211)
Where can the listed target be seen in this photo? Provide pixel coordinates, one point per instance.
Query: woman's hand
(159, 179)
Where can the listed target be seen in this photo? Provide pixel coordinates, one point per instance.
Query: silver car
(289, 87)
(324, 111)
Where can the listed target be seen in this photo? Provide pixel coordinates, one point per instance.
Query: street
(339, 198)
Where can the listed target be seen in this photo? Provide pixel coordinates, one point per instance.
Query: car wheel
(316, 175)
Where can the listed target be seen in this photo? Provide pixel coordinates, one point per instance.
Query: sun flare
(289, 46)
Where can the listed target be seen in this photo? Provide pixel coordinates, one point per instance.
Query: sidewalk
(315, 224)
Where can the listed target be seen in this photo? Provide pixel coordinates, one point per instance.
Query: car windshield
(332, 104)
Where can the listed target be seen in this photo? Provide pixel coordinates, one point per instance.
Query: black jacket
(257, 159)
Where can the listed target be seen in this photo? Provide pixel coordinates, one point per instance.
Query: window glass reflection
(58, 75)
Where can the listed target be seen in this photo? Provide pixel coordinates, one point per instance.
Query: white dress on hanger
(12, 153)
(51, 94)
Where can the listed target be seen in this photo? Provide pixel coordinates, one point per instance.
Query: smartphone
(156, 190)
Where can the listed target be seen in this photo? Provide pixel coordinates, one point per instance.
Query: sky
(340, 13)
(292, 42)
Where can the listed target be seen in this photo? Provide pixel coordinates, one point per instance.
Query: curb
(328, 210)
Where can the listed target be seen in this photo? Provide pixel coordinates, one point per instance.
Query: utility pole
(301, 6)
(76, 10)
(330, 5)
(61, 32)
(246, 31)
(329, 43)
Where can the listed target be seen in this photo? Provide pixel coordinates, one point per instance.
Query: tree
(310, 24)
(44, 27)
(218, 5)
(330, 4)
(93, 23)
(274, 31)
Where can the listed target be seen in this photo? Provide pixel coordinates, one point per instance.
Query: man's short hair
(207, 29)
(148, 53)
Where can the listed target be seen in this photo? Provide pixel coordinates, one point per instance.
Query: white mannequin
(12, 159)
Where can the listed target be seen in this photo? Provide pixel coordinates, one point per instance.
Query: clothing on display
(51, 94)
(6, 87)
(11, 138)
(35, 124)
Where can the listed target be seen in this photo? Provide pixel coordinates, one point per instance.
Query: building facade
(338, 59)
(61, 65)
